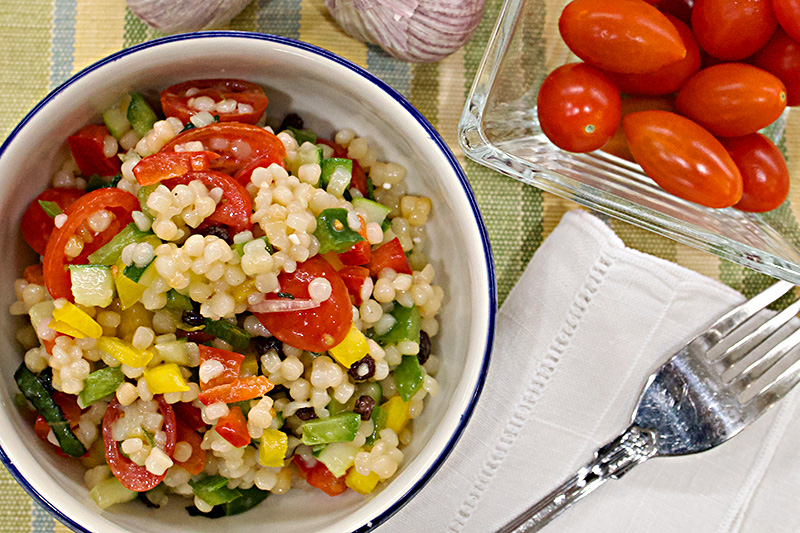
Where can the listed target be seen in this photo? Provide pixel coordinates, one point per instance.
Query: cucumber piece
(116, 122)
(149, 275)
(92, 284)
(230, 333)
(142, 194)
(109, 253)
(109, 492)
(45, 405)
(339, 457)
(134, 273)
(140, 115)
(238, 247)
(249, 499)
(173, 352)
(337, 428)
(41, 311)
(100, 384)
(336, 169)
(379, 417)
(375, 212)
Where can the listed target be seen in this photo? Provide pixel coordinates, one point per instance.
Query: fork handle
(611, 461)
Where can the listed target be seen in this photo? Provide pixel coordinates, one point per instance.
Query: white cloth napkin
(576, 339)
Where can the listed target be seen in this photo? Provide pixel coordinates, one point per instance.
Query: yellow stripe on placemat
(451, 98)
(317, 27)
(99, 30)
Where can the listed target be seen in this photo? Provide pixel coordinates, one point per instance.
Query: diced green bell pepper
(214, 490)
(176, 300)
(303, 136)
(333, 232)
(337, 428)
(408, 376)
(406, 326)
(109, 253)
(230, 333)
(141, 115)
(329, 165)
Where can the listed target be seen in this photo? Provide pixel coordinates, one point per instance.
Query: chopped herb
(286, 295)
(51, 208)
(187, 127)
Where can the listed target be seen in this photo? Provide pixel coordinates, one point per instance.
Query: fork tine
(762, 365)
(779, 388)
(747, 344)
(741, 314)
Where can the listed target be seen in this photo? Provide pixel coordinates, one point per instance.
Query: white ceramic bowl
(330, 93)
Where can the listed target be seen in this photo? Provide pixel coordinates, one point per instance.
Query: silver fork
(701, 397)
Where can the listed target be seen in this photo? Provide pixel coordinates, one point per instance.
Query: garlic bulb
(412, 30)
(173, 16)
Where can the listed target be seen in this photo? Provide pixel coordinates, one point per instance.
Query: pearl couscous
(221, 311)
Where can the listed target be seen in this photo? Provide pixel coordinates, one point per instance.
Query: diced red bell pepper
(322, 478)
(389, 255)
(197, 461)
(233, 427)
(166, 165)
(239, 390)
(231, 363)
(188, 415)
(86, 145)
(34, 274)
(354, 278)
(302, 466)
(359, 254)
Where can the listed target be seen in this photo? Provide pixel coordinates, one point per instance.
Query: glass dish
(499, 128)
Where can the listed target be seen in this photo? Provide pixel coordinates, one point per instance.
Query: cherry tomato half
(683, 158)
(175, 99)
(620, 35)
(788, 14)
(578, 107)
(197, 461)
(37, 226)
(120, 203)
(732, 99)
(733, 30)
(764, 172)
(130, 475)
(236, 143)
(236, 206)
(165, 165)
(87, 147)
(781, 57)
(668, 78)
(313, 330)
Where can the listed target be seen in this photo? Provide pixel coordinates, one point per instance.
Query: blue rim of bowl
(434, 135)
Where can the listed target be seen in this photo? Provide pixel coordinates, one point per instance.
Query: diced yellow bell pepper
(352, 348)
(241, 292)
(396, 413)
(165, 378)
(361, 484)
(71, 320)
(249, 365)
(272, 450)
(128, 291)
(124, 352)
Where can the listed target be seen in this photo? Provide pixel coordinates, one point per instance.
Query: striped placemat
(43, 42)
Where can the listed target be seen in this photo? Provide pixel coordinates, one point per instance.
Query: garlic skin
(174, 16)
(412, 30)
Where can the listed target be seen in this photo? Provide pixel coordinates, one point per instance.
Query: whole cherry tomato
(733, 30)
(677, 8)
(130, 475)
(668, 78)
(764, 173)
(38, 225)
(578, 107)
(683, 158)
(121, 204)
(781, 57)
(317, 329)
(236, 143)
(620, 35)
(618, 145)
(235, 207)
(732, 99)
(788, 14)
(175, 99)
